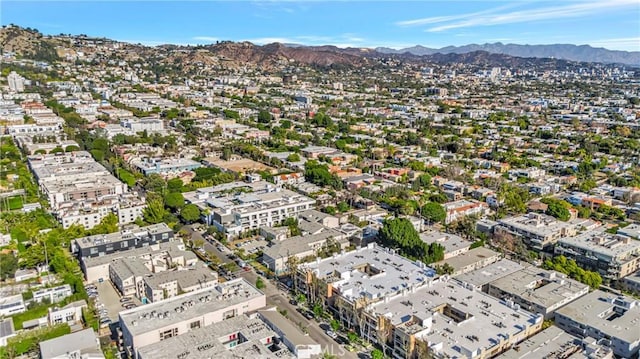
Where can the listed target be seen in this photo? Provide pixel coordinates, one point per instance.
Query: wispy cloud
(206, 38)
(623, 43)
(497, 16)
(342, 40)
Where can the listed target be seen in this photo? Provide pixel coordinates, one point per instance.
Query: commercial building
(538, 231)
(237, 207)
(300, 344)
(104, 244)
(602, 315)
(240, 337)
(612, 255)
(537, 290)
(83, 344)
(157, 322)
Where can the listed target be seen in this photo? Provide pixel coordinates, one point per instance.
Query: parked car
(332, 334)
(125, 299)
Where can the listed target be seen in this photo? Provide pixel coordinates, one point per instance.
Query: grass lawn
(34, 313)
(28, 341)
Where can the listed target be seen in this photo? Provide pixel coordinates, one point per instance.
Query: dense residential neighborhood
(184, 202)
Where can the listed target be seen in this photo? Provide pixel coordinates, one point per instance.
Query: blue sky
(613, 24)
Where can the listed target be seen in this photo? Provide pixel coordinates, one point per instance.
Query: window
(195, 325)
(168, 334)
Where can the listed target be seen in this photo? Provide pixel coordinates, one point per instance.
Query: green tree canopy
(434, 212)
(8, 265)
(190, 213)
(174, 200)
(400, 233)
(154, 212)
(174, 185)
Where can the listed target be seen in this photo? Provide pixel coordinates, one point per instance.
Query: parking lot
(109, 299)
(251, 246)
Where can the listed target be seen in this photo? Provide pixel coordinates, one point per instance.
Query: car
(332, 334)
(125, 299)
(130, 306)
(309, 315)
(293, 302)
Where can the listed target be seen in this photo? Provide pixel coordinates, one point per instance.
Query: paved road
(278, 298)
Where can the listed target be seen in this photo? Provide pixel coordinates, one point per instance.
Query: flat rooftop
(539, 286)
(540, 224)
(596, 308)
(605, 246)
(372, 271)
(213, 342)
(98, 239)
(454, 318)
(466, 259)
(488, 274)
(450, 242)
(173, 248)
(188, 306)
(551, 343)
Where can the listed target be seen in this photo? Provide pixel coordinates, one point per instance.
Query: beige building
(157, 322)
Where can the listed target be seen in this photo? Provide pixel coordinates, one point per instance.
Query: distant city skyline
(612, 24)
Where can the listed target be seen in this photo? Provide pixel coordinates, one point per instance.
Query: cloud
(623, 43)
(342, 40)
(270, 40)
(498, 16)
(206, 38)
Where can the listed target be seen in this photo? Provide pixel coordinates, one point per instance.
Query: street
(278, 298)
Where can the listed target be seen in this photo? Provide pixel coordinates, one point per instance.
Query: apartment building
(457, 210)
(82, 344)
(81, 191)
(453, 245)
(601, 315)
(614, 256)
(554, 343)
(70, 313)
(53, 295)
(160, 321)
(165, 166)
(11, 305)
(104, 244)
(156, 257)
(537, 290)
(479, 279)
(240, 337)
(402, 305)
(470, 260)
(538, 231)
(239, 206)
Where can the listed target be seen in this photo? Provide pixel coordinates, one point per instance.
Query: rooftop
(551, 343)
(187, 306)
(605, 246)
(456, 319)
(493, 271)
(473, 256)
(84, 341)
(374, 272)
(95, 240)
(539, 286)
(540, 224)
(596, 310)
(450, 242)
(213, 341)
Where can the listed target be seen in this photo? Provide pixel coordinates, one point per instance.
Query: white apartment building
(237, 207)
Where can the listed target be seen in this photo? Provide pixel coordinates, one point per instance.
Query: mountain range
(581, 53)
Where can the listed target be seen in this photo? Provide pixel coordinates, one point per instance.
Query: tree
(264, 116)
(343, 206)
(335, 325)
(8, 265)
(174, 185)
(557, 210)
(400, 233)
(434, 212)
(174, 200)
(108, 224)
(294, 157)
(154, 212)
(154, 183)
(190, 213)
(71, 148)
(377, 354)
(260, 283)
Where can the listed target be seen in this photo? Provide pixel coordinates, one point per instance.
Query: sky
(612, 24)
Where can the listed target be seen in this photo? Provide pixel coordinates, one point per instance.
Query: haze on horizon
(612, 24)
